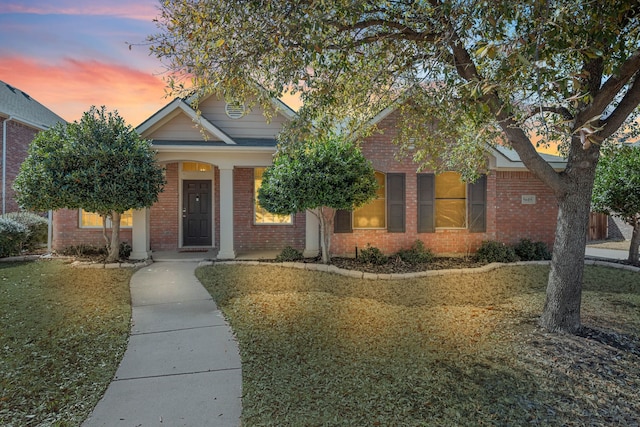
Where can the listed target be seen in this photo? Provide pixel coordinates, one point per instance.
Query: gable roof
(21, 107)
(182, 105)
(172, 109)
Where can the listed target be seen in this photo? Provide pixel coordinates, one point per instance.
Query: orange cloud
(70, 87)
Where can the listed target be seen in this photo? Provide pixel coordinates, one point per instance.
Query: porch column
(227, 250)
(140, 248)
(312, 236)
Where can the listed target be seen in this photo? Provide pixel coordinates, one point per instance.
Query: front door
(196, 213)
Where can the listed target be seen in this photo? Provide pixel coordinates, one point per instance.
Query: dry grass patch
(322, 349)
(63, 332)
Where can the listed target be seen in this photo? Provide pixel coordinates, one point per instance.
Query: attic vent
(234, 110)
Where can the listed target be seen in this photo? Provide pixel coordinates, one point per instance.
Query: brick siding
(249, 236)
(19, 137)
(66, 231)
(164, 221)
(507, 219)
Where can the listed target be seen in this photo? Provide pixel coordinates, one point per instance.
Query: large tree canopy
(617, 189)
(471, 73)
(320, 176)
(99, 164)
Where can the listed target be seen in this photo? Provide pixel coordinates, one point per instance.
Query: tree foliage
(321, 176)
(616, 190)
(464, 73)
(98, 164)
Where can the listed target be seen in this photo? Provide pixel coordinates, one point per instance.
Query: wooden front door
(196, 213)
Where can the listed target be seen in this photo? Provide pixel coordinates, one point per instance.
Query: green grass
(63, 332)
(325, 350)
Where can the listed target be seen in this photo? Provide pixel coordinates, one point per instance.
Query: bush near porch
(321, 349)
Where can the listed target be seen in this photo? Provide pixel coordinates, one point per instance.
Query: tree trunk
(561, 311)
(114, 247)
(326, 221)
(635, 242)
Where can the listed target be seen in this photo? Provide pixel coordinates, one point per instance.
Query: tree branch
(610, 89)
(629, 103)
(562, 111)
(519, 140)
(403, 33)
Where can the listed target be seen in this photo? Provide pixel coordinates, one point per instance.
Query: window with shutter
(342, 222)
(478, 205)
(396, 202)
(426, 203)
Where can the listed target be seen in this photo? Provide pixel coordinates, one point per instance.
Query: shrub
(417, 254)
(372, 255)
(289, 254)
(13, 236)
(532, 251)
(84, 250)
(125, 250)
(492, 251)
(38, 228)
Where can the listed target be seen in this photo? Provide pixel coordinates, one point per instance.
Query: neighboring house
(21, 117)
(210, 197)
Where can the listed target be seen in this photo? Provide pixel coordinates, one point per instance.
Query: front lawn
(322, 349)
(63, 332)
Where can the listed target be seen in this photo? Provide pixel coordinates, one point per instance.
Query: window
(373, 214)
(445, 201)
(94, 220)
(195, 167)
(451, 201)
(261, 214)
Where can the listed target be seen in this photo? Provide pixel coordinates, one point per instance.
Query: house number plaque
(528, 199)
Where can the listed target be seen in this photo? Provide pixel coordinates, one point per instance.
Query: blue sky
(70, 55)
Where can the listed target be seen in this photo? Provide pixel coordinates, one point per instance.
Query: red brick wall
(516, 220)
(19, 137)
(66, 231)
(164, 219)
(507, 219)
(249, 236)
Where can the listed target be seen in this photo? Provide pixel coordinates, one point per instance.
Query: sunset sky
(70, 54)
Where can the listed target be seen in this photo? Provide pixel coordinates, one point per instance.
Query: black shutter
(477, 202)
(426, 203)
(342, 222)
(395, 202)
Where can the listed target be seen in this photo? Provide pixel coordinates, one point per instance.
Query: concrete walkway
(615, 254)
(181, 367)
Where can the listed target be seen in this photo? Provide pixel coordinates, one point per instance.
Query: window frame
(82, 212)
(436, 198)
(385, 199)
(256, 205)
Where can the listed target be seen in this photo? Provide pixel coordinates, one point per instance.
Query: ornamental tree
(99, 164)
(321, 176)
(616, 190)
(521, 73)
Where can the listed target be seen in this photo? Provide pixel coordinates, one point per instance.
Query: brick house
(213, 171)
(21, 118)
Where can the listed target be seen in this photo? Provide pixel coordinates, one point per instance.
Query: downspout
(4, 164)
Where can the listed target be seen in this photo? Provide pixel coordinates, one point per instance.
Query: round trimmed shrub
(492, 251)
(372, 255)
(13, 236)
(417, 254)
(532, 251)
(289, 254)
(38, 228)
